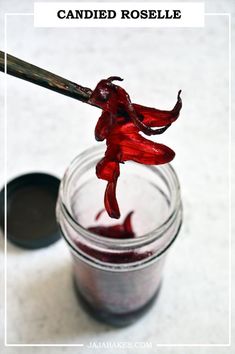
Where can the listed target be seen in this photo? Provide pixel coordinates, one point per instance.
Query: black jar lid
(31, 204)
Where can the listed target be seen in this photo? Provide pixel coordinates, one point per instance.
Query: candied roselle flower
(120, 124)
(123, 230)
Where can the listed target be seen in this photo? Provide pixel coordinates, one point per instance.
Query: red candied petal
(136, 148)
(126, 108)
(123, 129)
(156, 117)
(103, 126)
(98, 215)
(115, 231)
(154, 153)
(127, 225)
(105, 96)
(107, 170)
(110, 201)
(114, 99)
(110, 97)
(123, 230)
(113, 257)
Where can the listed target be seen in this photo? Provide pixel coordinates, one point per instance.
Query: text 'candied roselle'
(120, 124)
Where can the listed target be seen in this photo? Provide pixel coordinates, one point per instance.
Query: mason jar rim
(127, 243)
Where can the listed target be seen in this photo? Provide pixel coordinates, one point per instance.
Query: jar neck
(159, 236)
(121, 244)
(123, 247)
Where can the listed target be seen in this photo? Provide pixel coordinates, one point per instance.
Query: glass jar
(117, 280)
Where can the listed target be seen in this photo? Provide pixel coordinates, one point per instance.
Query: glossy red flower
(120, 124)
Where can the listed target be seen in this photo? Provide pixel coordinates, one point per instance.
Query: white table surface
(47, 130)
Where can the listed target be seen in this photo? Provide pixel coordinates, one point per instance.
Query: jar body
(118, 280)
(118, 298)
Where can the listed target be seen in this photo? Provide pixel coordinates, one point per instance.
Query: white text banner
(120, 14)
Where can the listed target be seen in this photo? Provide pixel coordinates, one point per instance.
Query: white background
(46, 130)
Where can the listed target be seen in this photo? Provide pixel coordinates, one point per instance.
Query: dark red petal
(103, 126)
(126, 108)
(107, 170)
(112, 257)
(156, 117)
(123, 230)
(127, 224)
(110, 201)
(141, 150)
(105, 96)
(123, 128)
(98, 215)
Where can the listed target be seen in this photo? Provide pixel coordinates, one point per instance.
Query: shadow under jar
(117, 280)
